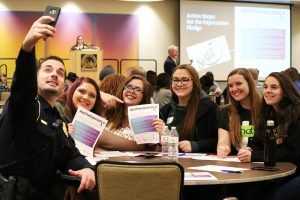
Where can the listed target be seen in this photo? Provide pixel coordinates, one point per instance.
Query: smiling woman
(191, 111)
(118, 135)
(281, 103)
(83, 92)
(243, 106)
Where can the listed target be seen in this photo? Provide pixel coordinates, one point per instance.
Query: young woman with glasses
(118, 135)
(191, 112)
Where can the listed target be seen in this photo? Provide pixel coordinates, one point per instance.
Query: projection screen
(220, 36)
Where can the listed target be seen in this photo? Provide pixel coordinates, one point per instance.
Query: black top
(206, 133)
(223, 120)
(28, 124)
(287, 149)
(223, 116)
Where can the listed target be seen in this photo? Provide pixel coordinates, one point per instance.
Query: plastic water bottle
(165, 142)
(244, 130)
(270, 145)
(173, 144)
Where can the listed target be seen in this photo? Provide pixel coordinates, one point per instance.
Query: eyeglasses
(183, 81)
(130, 88)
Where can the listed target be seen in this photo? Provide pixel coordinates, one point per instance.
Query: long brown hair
(234, 117)
(188, 124)
(118, 116)
(288, 108)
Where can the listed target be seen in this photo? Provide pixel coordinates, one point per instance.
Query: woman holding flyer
(118, 135)
(191, 111)
(84, 92)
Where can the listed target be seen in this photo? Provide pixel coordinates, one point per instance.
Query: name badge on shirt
(169, 120)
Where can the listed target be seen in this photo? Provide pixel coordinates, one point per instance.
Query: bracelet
(249, 148)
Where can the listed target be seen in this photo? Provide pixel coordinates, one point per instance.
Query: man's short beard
(51, 92)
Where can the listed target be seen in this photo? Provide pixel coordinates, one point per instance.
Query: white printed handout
(87, 130)
(140, 119)
(193, 176)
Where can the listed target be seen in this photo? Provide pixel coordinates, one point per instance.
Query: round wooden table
(285, 169)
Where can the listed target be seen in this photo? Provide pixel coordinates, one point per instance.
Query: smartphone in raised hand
(53, 12)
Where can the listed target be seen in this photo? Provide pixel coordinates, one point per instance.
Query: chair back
(139, 181)
(4, 96)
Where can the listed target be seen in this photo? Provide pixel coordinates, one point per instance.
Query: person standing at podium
(80, 44)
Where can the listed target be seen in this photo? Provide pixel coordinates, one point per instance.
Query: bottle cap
(245, 123)
(270, 123)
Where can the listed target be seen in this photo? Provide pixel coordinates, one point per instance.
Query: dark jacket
(169, 66)
(287, 151)
(28, 125)
(206, 132)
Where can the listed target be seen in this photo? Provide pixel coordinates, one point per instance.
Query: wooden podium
(86, 62)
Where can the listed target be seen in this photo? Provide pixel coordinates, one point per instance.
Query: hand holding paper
(141, 122)
(87, 130)
(71, 129)
(158, 124)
